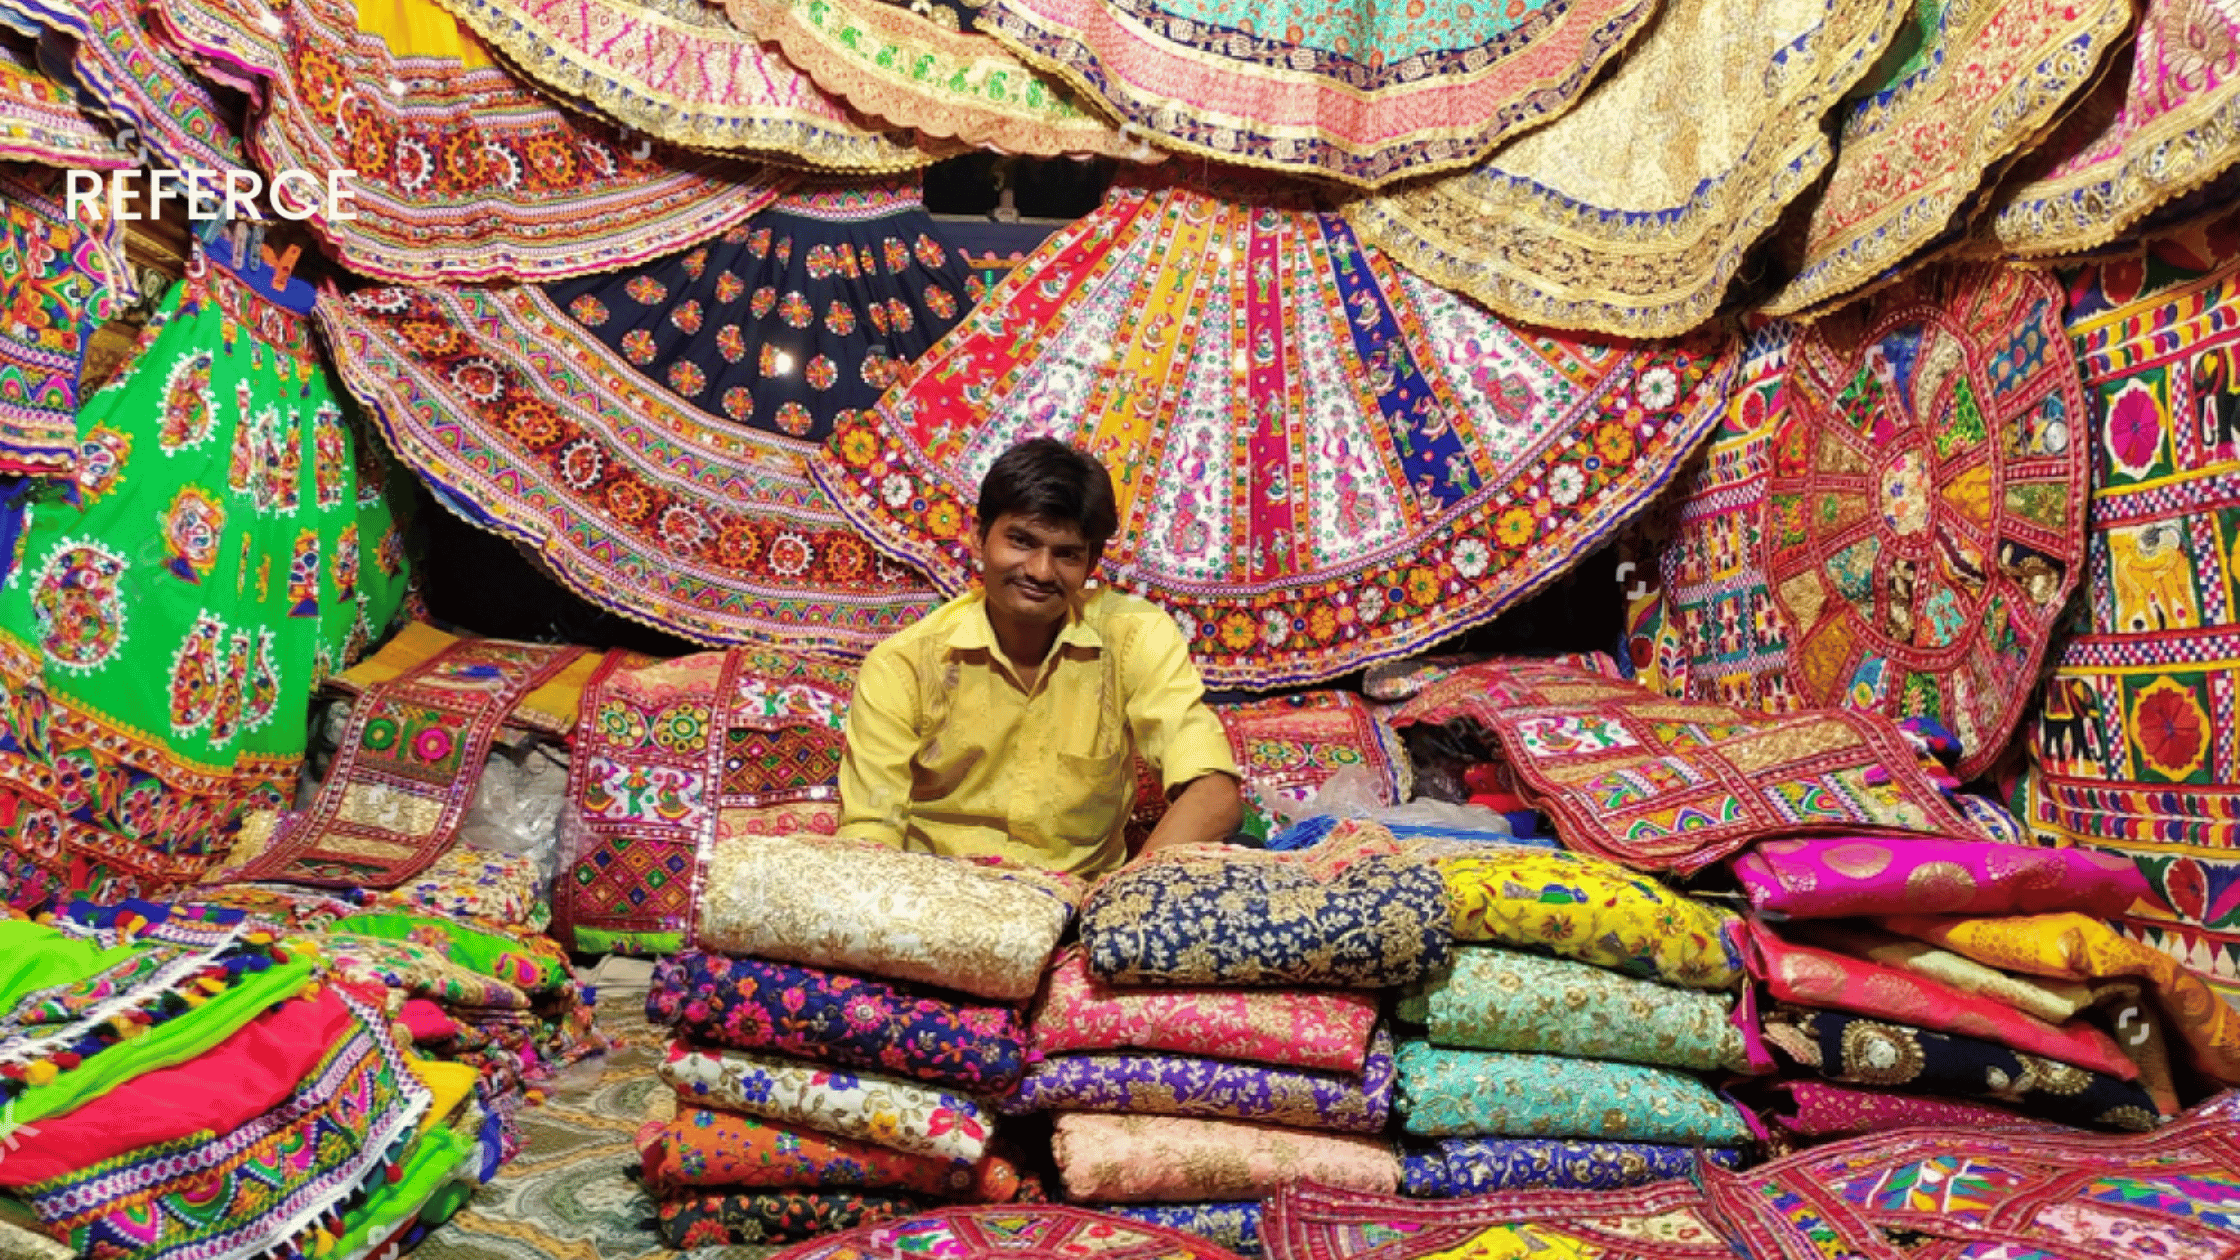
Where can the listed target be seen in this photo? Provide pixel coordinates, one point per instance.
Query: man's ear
(976, 542)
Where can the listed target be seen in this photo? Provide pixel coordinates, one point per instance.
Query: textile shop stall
(1709, 529)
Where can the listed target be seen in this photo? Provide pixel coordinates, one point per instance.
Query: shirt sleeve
(1166, 707)
(882, 737)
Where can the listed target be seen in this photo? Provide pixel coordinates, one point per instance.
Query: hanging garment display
(1321, 461)
(1630, 215)
(1892, 516)
(1976, 85)
(61, 276)
(163, 113)
(1362, 93)
(232, 544)
(678, 70)
(2128, 753)
(41, 119)
(458, 171)
(644, 432)
(2164, 124)
(929, 67)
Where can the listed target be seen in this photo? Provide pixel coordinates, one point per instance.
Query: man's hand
(1207, 810)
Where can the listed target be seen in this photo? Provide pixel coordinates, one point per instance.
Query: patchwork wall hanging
(1630, 215)
(664, 748)
(138, 82)
(2143, 138)
(679, 71)
(1662, 784)
(462, 172)
(1925, 507)
(233, 542)
(931, 69)
(1359, 93)
(1321, 461)
(1977, 84)
(1288, 747)
(1890, 518)
(61, 277)
(40, 118)
(1668, 1221)
(644, 431)
(408, 762)
(1969, 1193)
(2134, 748)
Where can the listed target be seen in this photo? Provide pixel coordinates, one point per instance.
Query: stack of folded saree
(1942, 981)
(1575, 1038)
(181, 1084)
(844, 1021)
(1216, 1034)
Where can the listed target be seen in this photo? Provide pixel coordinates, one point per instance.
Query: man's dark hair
(1043, 477)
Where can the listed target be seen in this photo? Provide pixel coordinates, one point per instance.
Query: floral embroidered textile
(1808, 976)
(2074, 947)
(892, 1112)
(1471, 1093)
(1390, 466)
(680, 71)
(1230, 1226)
(978, 929)
(1699, 139)
(1925, 506)
(1595, 911)
(152, 693)
(2163, 129)
(632, 498)
(410, 757)
(1153, 1159)
(139, 81)
(2127, 754)
(1036, 1232)
(704, 1147)
(1498, 999)
(467, 174)
(1678, 784)
(930, 69)
(1321, 1030)
(1177, 1085)
(1837, 878)
(2050, 1000)
(1360, 910)
(61, 276)
(1856, 1050)
(1458, 1167)
(1818, 1109)
(477, 883)
(1363, 94)
(40, 120)
(728, 1218)
(1666, 1221)
(751, 1004)
(1977, 84)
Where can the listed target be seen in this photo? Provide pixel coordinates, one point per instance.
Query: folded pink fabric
(1170, 1159)
(427, 1021)
(1823, 1110)
(1834, 878)
(1324, 1030)
(1823, 978)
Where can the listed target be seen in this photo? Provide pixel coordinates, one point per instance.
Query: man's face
(1034, 568)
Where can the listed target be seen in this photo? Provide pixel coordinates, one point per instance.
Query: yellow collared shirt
(946, 754)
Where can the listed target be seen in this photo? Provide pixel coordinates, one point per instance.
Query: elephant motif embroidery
(2153, 579)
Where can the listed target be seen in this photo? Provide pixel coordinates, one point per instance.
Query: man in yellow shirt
(1003, 722)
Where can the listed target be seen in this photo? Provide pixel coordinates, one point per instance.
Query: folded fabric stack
(1216, 1033)
(1963, 981)
(844, 1021)
(495, 996)
(1583, 1065)
(180, 1084)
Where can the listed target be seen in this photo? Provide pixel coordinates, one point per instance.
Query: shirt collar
(974, 633)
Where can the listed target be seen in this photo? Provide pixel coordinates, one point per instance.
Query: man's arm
(1209, 810)
(882, 737)
(1180, 737)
